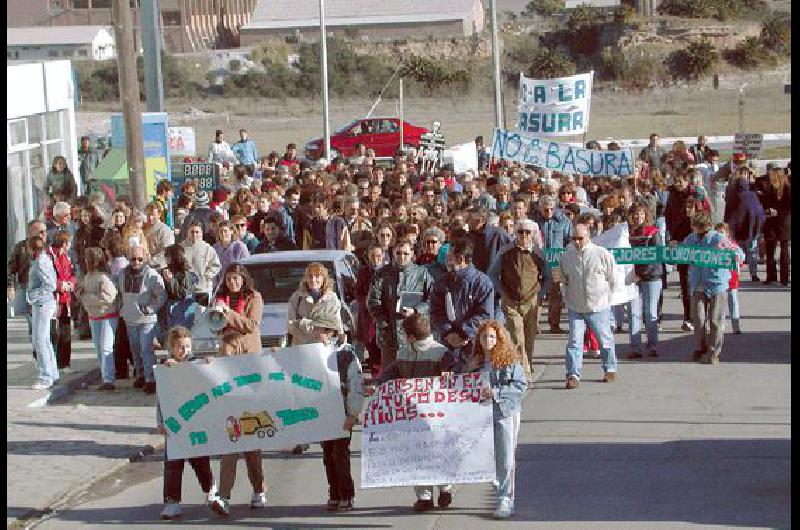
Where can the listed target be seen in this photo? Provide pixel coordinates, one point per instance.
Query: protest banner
(428, 431)
(530, 149)
(272, 400)
(749, 144)
(555, 107)
(464, 157)
(711, 258)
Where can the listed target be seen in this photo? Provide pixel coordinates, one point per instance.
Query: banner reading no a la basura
(428, 431)
(555, 107)
(529, 149)
(272, 400)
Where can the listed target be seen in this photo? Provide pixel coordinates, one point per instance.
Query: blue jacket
(711, 281)
(41, 281)
(744, 212)
(556, 231)
(288, 222)
(472, 294)
(487, 245)
(246, 151)
(508, 388)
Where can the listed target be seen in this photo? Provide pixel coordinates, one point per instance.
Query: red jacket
(65, 273)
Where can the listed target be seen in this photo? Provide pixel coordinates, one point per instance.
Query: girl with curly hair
(496, 354)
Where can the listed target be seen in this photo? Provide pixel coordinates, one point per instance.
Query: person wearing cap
(201, 213)
(246, 151)
(518, 274)
(556, 232)
(219, 152)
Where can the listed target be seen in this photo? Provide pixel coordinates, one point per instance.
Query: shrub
(235, 65)
(645, 71)
(776, 34)
(614, 64)
(692, 62)
(547, 63)
(583, 30)
(750, 54)
(720, 9)
(434, 74)
(545, 8)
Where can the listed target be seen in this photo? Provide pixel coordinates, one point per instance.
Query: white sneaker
(40, 386)
(259, 500)
(68, 370)
(687, 326)
(221, 506)
(212, 494)
(172, 510)
(505, 509)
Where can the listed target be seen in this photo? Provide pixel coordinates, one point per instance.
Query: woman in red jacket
(61, 333)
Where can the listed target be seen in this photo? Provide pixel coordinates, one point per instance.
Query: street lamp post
(324, 68)
(741, 108)
(498, 108)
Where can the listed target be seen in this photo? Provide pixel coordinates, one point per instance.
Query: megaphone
(216, 318)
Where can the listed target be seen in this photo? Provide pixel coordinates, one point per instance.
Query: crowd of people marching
(452, 275)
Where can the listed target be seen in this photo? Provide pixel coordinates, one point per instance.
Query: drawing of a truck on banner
(259, 423)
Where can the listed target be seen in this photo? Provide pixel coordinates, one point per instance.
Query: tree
(583, 30)
(749, 54)
(545, 8)
(235, 65)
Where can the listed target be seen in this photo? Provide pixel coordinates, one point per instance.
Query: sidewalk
(82, 434)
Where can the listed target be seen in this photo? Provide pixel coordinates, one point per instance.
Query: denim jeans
(505, 444)
(600, 323)
(47, 370)
(645, 305)
(708, 315)
(103, 332)
(733, 304)
(618, 315)
(750, 249)
(140, 337)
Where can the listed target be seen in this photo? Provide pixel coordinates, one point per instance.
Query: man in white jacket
(203, 261)
(587, 281)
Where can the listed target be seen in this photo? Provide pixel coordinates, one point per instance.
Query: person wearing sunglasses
(398, 290)
(587, 272)
(431, 256)
(143, 295)
(518, 274)
(241, 232)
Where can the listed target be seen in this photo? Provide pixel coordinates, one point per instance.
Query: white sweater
(204, 262)
(587, 278)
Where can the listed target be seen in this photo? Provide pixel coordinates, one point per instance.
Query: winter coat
(508, 274)
(65, 274)
(159, 237)
(235, 252)
(472, 295)
(303, 311)
(365, 328)
(204, 262)
(142, 295)
(201, 214)
(487, 244)
(99, 296)
(743, 212)
(87, 236)
(508, 386)
(41, 281)
(352, 380)
(556, 231)
(180, 299)
(61, 186)
(242, 332)
(422, 358)
(385, 293)
(710, 281)
(587, 278)
(19, 264)
(647, 236)
(778, 228)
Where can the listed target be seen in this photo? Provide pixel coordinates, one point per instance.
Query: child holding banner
(336, 453)
(179, 344)
(496, 354)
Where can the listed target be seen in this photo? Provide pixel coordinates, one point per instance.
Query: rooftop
(40, 35)
(277, 14)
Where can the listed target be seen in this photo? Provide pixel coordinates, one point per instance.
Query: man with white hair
(61, 217)
(518, 274)
(143, 295)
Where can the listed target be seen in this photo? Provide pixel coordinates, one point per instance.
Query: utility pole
(151, 41)
(324, 60)
(402, 143)
(498, 103)
(129, 94)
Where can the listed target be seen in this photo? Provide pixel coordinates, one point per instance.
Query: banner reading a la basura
(555, 107)
(272, 400)
(529, 149)
(428, 431)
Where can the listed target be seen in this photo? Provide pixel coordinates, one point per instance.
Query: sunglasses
(524, 231)
(243, 225)
(432, 242)
(137, 260)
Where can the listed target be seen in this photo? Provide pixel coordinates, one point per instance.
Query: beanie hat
(201, 199)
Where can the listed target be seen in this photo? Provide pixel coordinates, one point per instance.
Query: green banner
(711, 258)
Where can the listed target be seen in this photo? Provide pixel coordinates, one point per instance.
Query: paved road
(671, 444)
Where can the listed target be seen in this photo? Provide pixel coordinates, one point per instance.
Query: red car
(380, 134)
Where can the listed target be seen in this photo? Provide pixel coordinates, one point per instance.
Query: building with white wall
(40, 124)
(54, 42)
